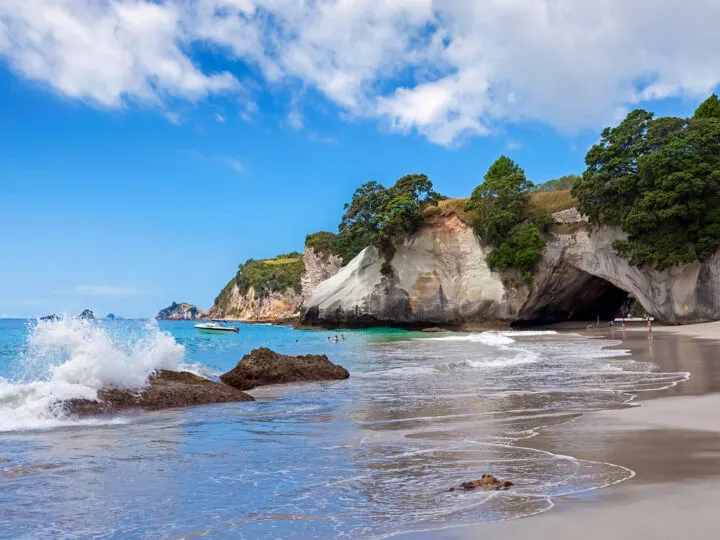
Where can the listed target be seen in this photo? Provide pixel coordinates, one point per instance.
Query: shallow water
(371, 456)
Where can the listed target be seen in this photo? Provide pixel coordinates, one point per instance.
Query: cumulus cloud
(105, 51)
(446, 69)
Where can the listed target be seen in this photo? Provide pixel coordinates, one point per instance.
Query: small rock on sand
(486, 481)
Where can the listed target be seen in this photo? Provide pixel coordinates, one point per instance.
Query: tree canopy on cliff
(379, 216)
(658, 179)
(499, 204)
(558, 184)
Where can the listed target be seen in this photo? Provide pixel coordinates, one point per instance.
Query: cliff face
(180, 312)
(319, 266)
(253, 307)
(262, 305)
(440, 277)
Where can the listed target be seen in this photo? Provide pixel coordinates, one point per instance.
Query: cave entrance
(575, 296)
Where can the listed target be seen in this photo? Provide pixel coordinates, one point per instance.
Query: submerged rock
(486, 481)
(263, 366)
(165, 389)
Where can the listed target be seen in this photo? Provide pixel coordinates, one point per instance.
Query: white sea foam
(71, 358)
(488, 338)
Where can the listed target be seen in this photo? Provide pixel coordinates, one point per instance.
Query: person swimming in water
(336, 339)
(342, 336)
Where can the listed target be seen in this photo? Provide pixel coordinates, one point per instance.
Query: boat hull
(206, 330)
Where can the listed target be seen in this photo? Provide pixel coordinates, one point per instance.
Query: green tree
(710, 108)
(519, 250)
(380, 216)
(499, 204)
(610, 184)
(564, 182)
(499, 201)
(659, 179)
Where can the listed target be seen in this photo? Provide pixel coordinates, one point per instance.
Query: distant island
(180, 311)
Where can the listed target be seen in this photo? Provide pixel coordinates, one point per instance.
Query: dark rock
(165, 389)
(486, 481)
(51, 317)
(263, 366)
(86, 314)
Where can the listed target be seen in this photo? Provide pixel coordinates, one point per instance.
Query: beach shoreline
(669, 438)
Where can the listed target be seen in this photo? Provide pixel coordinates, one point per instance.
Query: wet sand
(671, 439)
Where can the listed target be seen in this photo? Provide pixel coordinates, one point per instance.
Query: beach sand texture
(672, 444)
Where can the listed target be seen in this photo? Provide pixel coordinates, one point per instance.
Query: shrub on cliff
(323, 243)
(658, 179)
(499, 204)
(270, 275)
(380, 216)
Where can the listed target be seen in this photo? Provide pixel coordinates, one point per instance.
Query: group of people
(336, 339)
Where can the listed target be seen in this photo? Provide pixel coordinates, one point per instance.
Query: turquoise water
(371, 456)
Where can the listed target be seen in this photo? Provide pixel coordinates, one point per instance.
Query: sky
(149, 147)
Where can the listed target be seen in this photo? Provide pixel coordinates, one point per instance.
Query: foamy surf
(488, 338)
(70, 358)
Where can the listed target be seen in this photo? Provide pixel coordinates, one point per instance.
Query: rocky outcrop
(165, 389)
(263, 366)
(253, 307)
(319, 266)
(439, 277)
(87, 315)
(180, 312)
(486, 481)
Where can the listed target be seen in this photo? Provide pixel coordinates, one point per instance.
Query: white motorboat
(216, 328)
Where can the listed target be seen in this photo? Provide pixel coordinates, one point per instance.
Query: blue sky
(125, 188)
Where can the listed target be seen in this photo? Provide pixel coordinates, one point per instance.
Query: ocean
(368, 457)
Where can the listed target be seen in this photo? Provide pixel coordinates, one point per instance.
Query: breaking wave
(71, 358)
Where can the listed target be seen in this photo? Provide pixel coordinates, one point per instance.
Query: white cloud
(443, 68)
(234, 164)
(105, 51)
(108, 290)
(219, 118)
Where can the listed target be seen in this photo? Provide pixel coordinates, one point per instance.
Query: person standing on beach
(650, 336)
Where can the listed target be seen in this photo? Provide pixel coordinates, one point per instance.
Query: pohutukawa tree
(659, 180)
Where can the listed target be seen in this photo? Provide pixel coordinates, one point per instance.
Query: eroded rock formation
(253, 307)
(263, 366)
(440, 277)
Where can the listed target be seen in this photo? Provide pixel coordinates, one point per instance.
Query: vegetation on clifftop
(500, 205)
(323, 243)
(380, 216)
(658, 179)
(271, 275)
(265, 276)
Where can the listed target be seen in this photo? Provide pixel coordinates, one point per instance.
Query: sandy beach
(670, 439)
